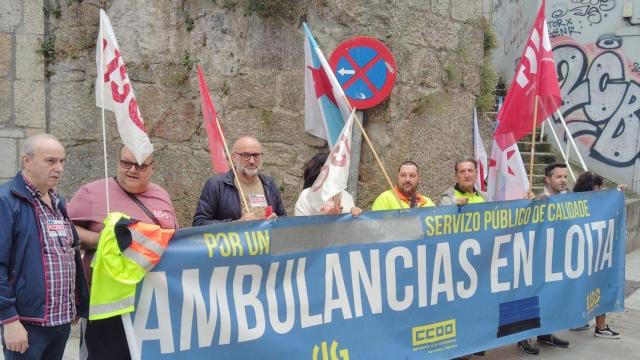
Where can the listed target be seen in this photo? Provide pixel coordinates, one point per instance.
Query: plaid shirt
(59, 259)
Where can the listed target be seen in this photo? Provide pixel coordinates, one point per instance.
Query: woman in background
(590, 181)
(340, 204)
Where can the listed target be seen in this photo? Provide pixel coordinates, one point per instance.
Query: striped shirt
(58, 257)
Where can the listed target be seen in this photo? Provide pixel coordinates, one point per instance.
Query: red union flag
(214, 131)
(535, 76)
(535, 80)
(114, 92)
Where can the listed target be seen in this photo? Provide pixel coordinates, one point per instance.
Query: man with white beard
(220, 199)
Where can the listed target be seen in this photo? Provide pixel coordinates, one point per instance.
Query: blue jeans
(45, 342)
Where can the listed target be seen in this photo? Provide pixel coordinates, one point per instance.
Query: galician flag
(480, 154)
(325, 106)
(535, 81)
(115, 93)
(507, 176)
(214, 131)
(334, 175)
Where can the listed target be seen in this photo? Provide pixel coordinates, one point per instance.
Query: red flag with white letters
(535, 75)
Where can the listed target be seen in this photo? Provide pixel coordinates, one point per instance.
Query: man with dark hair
(405, 194)
(220, 199)
(463, 191)
(555, 178)
(42, 286)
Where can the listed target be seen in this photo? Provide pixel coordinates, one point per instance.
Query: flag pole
(533, 140)
(233, 166)
(204, 94)
(375, 155)
(564, 156)
(104, 126)
(571, 139)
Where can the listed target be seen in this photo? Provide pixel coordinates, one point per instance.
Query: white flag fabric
(507, 175)
(480, 154)
(334, 175)
(115, 93)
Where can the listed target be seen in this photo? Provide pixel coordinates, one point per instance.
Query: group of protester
(45, 282)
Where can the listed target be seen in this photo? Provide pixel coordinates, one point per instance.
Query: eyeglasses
(247, 156)
(128, 164)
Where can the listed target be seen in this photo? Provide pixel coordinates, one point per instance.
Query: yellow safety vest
(474, 197)
(388, 201)
(127, 250)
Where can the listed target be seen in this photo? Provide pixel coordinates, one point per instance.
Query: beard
(408, 189)
(250, 171)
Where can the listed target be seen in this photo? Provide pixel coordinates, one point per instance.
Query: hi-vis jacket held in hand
(126, 252)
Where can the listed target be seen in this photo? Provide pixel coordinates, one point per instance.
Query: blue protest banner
(426, 283)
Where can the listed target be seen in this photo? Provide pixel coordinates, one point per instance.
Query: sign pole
(378, 161)
(356, 147)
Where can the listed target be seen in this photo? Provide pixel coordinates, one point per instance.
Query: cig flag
(535, 80)
(115, 93)
(214, 131)
(334, 175)
(535, 76)
(325, 106)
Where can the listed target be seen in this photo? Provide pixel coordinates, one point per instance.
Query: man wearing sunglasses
(220, 199)
(131, 192)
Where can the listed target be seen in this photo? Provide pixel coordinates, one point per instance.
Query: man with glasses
(42, 287)
(220, 199)
(131, 192)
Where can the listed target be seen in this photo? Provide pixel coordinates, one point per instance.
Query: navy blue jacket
(220, 201)
(22, 277)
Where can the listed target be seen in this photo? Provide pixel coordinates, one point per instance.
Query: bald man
(220, 199)
(42, 285)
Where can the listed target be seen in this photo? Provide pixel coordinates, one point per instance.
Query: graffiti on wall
(601, 97)
(598, 67)
(589, 11)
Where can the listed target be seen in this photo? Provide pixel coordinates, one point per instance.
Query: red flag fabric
(214, 131)
(535, 75)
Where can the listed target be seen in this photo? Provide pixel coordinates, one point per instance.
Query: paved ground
(584, 346)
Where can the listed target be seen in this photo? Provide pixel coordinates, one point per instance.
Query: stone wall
(252, 54)
(22, 79)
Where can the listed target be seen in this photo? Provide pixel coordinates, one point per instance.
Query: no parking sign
(366, 70)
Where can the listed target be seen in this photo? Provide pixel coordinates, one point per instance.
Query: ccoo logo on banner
(436, 282)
